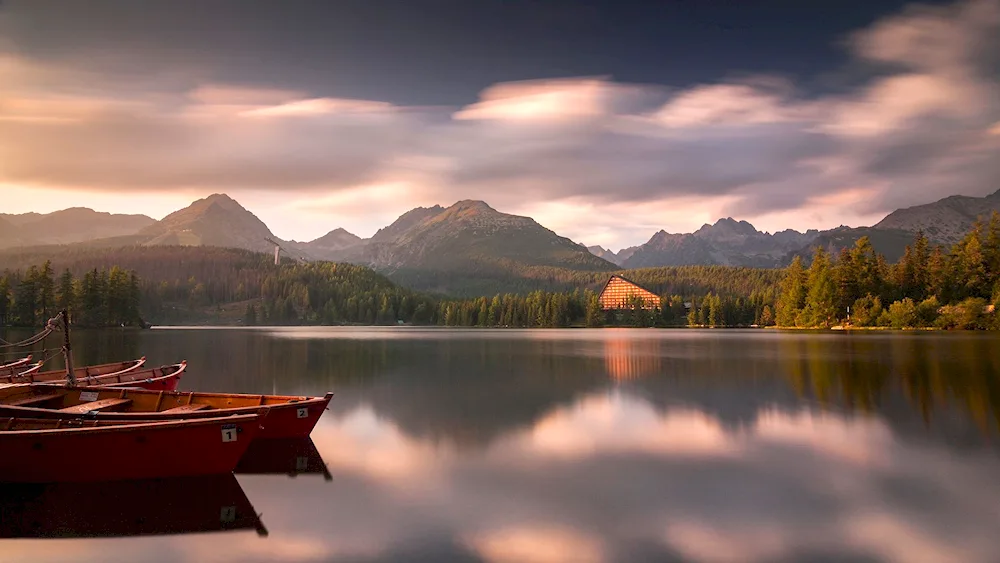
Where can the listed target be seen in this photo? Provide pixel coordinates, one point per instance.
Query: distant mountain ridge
(727, 242)
(217, 220)
(337, 239)
(468, 235)
(944, 221)
(68, 226)
(430, 246)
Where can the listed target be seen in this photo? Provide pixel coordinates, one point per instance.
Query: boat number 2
(302, 413)
(88, 396)
(229, 434)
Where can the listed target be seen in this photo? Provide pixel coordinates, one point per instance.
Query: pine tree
(972, 265)
(865, 262)
(66, 292)
(766, 317)
(793, 294)
(4, 301)
(250, 315)
(820, 309)
(26, 298)
(845, 275)
(45, 286)
(692, 316)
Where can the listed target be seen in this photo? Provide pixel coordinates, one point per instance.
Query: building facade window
(620, 293)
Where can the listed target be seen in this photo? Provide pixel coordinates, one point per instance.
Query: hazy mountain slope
(891, 243)
(405, 222)
(68, 226)
(472, 236)
(727, 242)
(217, 220)
(604, 253)
(337, 239)
(666, 249)
(944, 221)
(20, 218)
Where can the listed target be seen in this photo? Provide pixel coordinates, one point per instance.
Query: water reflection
(610, 477)
(292, 457)
(626, 358)
(126, 508)
(602, 446)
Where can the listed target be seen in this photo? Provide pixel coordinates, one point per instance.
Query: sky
(605, 120)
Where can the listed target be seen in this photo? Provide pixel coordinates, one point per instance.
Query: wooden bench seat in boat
(33, 400)
(188, 408)
(98, 406)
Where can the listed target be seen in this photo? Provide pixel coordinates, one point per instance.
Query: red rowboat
(288, 416)
(49, 451)
(82, 374)
(163, 378)
(181, 505)
(22, 371)
(289, 456)
(14, 364)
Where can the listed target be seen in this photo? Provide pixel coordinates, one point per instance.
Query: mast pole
(67, 348)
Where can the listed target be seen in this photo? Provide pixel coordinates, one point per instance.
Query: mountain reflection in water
(616, 445)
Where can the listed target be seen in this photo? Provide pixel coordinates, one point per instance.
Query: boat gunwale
(288, 399)
(125, 426)
(16, 363)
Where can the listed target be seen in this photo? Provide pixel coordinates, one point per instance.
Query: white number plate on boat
(87, 396)
(228, 514)
(229, 433)
(302, 413)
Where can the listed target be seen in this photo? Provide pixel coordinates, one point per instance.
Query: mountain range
(77, 224)
(470, 238)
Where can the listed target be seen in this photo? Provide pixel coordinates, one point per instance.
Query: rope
(50, 327)
(27, 341)
(18, 354)
(55, 352)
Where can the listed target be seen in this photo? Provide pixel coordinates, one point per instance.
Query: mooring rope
(50, 327)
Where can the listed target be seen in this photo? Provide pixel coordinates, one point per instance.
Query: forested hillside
(99, 298)
(929, 286)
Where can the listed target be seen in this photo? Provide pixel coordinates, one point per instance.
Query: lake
(573, 445)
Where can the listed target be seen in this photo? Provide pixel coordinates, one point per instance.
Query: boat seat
(102, 405)
(33, 400)
(188, 408)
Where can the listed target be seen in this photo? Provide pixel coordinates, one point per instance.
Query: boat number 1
(228, 514)
(229, 433)
(302, 413)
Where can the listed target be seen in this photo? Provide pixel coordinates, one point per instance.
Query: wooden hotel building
(619, 293)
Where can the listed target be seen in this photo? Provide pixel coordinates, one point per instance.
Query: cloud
(921, 127)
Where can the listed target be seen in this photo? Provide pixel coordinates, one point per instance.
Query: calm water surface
(551, 445)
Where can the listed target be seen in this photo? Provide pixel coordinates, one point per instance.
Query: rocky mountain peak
(335, 240)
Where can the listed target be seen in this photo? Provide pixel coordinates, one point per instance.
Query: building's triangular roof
(624, 279)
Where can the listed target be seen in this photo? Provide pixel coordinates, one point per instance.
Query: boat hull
(129, 451)
(295, 418)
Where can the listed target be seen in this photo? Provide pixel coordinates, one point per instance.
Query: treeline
(330, 293)
(581, 308)
(99, 298)
(666, 280)
(929, 287)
